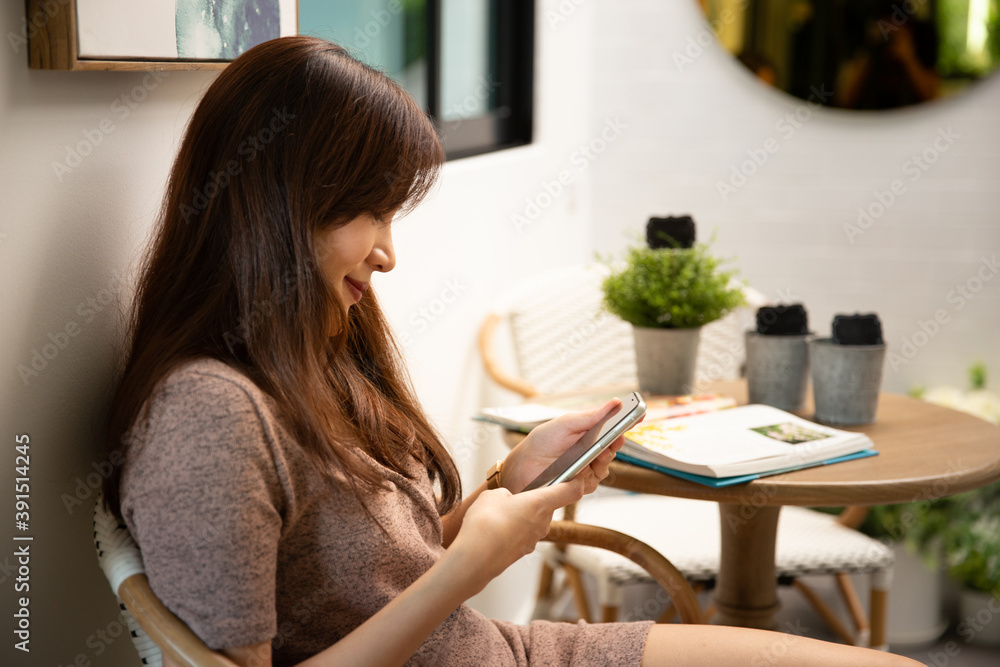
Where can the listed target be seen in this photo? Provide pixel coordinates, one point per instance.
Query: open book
(526, 416)
(739, 444)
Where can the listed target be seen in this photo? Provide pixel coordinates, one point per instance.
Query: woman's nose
(383, 255)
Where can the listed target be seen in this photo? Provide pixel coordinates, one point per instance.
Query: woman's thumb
(585, 420)
(561, 494)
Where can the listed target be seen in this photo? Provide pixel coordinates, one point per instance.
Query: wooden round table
(925, 451)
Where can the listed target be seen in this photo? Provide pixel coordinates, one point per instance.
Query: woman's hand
(548, 441)
(499, 528)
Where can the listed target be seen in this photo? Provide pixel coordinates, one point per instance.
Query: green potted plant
(960, 534)
(972, 557)
(914, 530)
(667, 293)
(971, 538)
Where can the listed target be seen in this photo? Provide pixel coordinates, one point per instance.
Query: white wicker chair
(561, 339)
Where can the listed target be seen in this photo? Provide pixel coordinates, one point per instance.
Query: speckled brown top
(246, 542)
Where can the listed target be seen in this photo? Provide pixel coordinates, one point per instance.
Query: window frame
(510, 122)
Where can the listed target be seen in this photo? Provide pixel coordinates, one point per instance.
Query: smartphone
(593, 442)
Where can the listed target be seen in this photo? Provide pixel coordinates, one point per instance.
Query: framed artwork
(151, 34)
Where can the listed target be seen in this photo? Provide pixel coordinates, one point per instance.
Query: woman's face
(351, 253)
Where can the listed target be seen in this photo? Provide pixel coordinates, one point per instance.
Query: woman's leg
(716, 645)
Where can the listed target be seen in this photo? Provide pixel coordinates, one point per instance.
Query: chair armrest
(661, 569)
(499, 375)
(175, 639)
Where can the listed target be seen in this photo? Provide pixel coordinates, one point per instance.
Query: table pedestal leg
(746, 592)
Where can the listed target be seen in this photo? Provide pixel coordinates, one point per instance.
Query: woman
(292, 503)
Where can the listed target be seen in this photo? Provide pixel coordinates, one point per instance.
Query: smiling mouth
(357, 289)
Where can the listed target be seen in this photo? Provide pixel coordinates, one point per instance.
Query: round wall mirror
(861, 54)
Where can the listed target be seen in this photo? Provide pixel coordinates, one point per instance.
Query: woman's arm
(497, 529)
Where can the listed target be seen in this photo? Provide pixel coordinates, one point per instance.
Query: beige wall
(68, 238)
(695, 114)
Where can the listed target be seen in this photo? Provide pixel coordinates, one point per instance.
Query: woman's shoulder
(204, 402)
(207, 373)
(207, 387)
(207, 427)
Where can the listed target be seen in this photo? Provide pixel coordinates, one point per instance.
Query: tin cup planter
(666, 359)
(778, 357)
(847, 371)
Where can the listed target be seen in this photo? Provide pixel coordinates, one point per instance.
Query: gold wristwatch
(493, 475)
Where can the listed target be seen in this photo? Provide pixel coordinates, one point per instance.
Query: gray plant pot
(846, 381)
(984, 628)
(777, 370)
(666, 359)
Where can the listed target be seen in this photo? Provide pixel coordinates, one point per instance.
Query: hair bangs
(395, 156)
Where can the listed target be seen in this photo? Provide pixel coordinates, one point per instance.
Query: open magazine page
(748, 439)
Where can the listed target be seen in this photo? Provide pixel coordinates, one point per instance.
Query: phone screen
(592, 443)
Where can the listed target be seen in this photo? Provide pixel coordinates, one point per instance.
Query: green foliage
(972, 539)
(956, 57)
(917, 525)
(964, 528)
(671, 288)
(977, 376)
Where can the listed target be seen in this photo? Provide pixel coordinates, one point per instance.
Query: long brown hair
(295, 136)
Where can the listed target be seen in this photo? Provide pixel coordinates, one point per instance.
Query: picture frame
(152, 35)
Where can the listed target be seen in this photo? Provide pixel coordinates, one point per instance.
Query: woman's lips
(357, 289)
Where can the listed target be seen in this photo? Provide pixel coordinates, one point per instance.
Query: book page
(735, 436)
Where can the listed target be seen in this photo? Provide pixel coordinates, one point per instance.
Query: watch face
(493, 476)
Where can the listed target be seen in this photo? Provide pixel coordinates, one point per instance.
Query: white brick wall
(688, 125)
